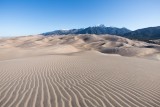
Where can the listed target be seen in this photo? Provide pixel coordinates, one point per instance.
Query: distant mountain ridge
(91, 30)
(145, 34)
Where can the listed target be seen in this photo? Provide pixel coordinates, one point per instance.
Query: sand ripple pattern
(79, 81)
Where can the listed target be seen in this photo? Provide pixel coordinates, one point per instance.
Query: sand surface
(72, 75)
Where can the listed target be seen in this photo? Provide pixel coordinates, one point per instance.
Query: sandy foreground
(66, 76)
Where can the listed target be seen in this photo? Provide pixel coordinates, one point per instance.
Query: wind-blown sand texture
(69, 76)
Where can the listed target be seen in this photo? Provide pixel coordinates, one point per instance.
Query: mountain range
(101, 29)
(145, 34)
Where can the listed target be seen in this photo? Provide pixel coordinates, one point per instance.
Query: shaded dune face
(87, 79)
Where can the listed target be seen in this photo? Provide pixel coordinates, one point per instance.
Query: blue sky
(25, 17)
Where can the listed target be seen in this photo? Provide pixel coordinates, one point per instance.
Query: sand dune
(87, 79)
(78, 71)
(41, 45)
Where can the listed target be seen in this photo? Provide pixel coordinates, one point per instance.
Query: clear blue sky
(25, 17)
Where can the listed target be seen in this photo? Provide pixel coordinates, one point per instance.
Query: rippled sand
(86, 79)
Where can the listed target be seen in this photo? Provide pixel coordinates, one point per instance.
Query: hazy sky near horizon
(26, 17)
